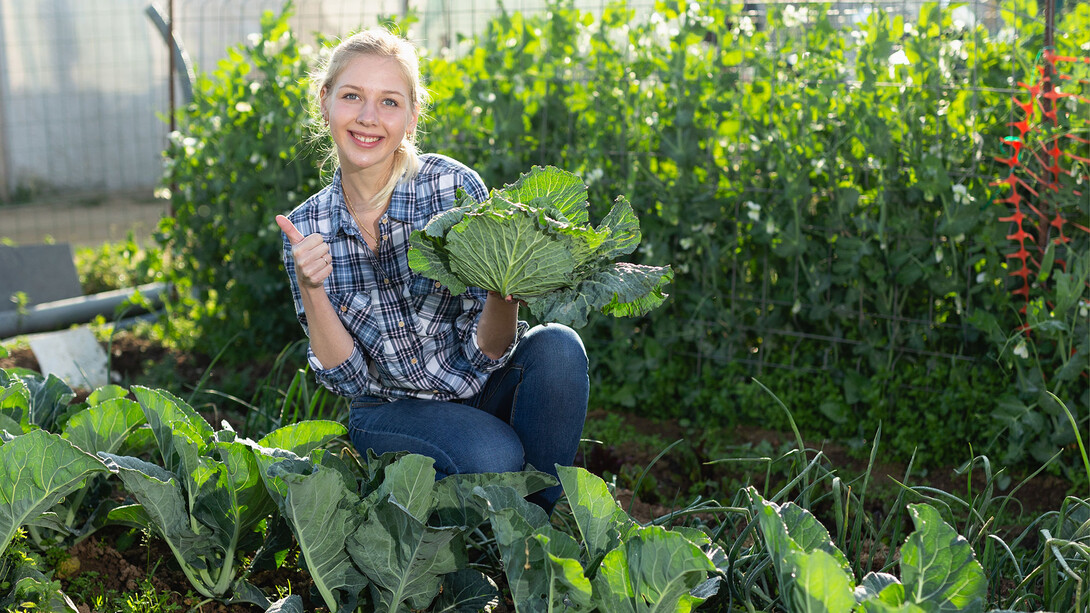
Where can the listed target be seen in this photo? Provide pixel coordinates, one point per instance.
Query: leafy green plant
(533, 240)
(117, 265)
(939, 571)
(105, 421)
(395, 540)
(38, 469)
(619, 566)
(239, 157)
(207, 499)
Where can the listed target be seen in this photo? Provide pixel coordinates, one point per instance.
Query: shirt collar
(339, 216)
(399, 208)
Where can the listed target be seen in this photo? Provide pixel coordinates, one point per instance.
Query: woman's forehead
(373, 72)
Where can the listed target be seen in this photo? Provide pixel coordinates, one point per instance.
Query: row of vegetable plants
(825, 193)
(380, 533)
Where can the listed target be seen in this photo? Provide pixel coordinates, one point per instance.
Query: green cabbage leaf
(533, 240)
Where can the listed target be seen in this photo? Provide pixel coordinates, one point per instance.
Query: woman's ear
(321, 105)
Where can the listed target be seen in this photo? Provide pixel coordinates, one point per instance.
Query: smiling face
(370, 112)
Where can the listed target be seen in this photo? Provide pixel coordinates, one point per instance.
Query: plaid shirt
(412, 338)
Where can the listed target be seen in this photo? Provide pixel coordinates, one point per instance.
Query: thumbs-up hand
(313, 262)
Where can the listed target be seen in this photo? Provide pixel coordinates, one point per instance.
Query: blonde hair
(384, 44)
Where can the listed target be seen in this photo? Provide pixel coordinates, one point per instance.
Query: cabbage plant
(533, 240)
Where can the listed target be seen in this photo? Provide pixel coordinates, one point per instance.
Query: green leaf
(654, 570)
(938, 567)
(37, 469)
(882, 587)
(467, 591)
(322, 515)
(49, 398)
(182, 434)
(600, 519)
(410, 482)
(289, 604)
(456, 504)
(566, 582)
(623, 230)
(104, 426)
(163, 508)
(403, 558)
(106, 392)
(303, 437)
(817, 582)
(15, 407)
(292, 442)
(622, 290)
(503, 250)
(550, 187)
(515, 523)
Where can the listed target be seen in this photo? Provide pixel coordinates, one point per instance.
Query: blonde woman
(458, 378)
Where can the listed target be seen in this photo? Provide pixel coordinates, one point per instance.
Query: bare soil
(123, 559)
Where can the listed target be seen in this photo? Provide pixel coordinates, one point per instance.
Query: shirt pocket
(356, 313)
(434, 308)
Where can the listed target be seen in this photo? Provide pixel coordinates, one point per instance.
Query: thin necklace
(352, 212)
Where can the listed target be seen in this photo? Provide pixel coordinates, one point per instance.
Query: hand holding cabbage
(533, 240)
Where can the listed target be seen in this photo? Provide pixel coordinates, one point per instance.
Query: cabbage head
(533, 240)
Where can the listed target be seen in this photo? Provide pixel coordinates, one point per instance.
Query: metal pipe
(62, 313)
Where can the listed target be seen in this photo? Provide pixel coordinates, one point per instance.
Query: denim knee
(559, 345)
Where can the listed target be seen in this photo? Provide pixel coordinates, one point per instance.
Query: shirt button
(438, 284)
(413, 360)
(385, 237)
(386, 281)
(401, 324)
(344, 309)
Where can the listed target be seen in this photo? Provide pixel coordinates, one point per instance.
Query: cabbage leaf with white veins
(533, 240)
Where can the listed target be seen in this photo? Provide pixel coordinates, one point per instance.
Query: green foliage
(823, 194)
(824, 207)
(117, 265)
(207, 499)
(239, 158)
(105, 421)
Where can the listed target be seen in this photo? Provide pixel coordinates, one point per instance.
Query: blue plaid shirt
(413, 339)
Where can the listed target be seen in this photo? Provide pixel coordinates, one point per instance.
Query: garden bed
(119, 562)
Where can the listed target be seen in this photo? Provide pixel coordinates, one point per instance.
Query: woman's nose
(367, 113)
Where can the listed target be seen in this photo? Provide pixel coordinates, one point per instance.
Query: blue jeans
(531, 411)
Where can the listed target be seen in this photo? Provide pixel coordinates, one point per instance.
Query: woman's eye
(351, 96)
(390, 102)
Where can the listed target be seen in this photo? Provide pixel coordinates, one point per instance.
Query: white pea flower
(795, 308)
(754, 211)
(961, 194)
(1021, 350)
(243, 107)
(686, 243)
(938, 255)
(594, 176)
(746, 26)
(794, 16)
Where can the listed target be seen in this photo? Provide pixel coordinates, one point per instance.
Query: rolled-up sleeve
(345, 379)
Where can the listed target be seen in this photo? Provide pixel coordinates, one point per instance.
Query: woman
(458, 378)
